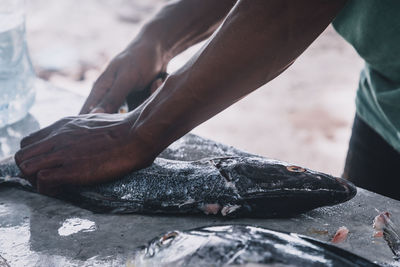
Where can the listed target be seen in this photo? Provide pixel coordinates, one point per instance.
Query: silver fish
(238, 184)
(241, 245)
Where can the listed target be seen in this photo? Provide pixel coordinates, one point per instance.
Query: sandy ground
(304, 116)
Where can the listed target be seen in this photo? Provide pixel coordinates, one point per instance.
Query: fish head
(240, 245)
(172, 249)
(263, 182)
(218, 245)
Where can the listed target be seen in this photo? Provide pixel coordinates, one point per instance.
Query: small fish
(384, 227)
(238, 184)
(241, 245)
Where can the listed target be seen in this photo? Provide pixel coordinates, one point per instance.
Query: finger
(41, 134)
(100, 88)
(50, 181)
(115, 97)
(33, 165)
(30, 151)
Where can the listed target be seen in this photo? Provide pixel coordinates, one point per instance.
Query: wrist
(163, 118)
(141, 144)
(139, 149)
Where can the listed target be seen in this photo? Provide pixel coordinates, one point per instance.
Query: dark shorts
(371, 162)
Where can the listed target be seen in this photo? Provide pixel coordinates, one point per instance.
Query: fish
(240, 245)
(199, 176)
(386, 228)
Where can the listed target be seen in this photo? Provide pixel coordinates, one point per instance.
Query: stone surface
(39, 231)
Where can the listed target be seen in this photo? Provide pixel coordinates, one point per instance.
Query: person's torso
(373, 28)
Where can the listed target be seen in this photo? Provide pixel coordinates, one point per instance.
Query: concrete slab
(39, 231)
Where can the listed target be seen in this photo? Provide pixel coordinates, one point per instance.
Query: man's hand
(177, 26)
(134, 69)
(82, 150)
(94, 148)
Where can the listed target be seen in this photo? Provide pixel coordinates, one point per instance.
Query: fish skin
(240, 245)
(238, 184)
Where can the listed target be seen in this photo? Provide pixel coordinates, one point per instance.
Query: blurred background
(304, 116)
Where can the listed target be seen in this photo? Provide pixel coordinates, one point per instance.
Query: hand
(133, 70)
(82, 150)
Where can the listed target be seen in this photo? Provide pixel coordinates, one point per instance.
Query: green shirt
(373, 28)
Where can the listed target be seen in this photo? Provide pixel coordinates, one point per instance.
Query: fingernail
(17, 157)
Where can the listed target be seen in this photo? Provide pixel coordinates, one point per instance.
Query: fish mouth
(341, 195)
(286, 203)
(341, 189)
(349, 187)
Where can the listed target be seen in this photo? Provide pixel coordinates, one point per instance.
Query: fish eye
(167, 238)
(295, 169)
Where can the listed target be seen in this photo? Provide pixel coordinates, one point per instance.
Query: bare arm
(258, 40)
(176, 27)
(184, 23)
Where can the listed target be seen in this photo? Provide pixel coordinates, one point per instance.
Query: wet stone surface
(39, 231)
(35, 229)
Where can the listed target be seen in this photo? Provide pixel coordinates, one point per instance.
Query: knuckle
(27, 168)
(18, 157)
(24, 170)
(24, 140)
(25, 165)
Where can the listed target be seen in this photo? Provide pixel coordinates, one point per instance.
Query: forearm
(258, 40)
(184, 23)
